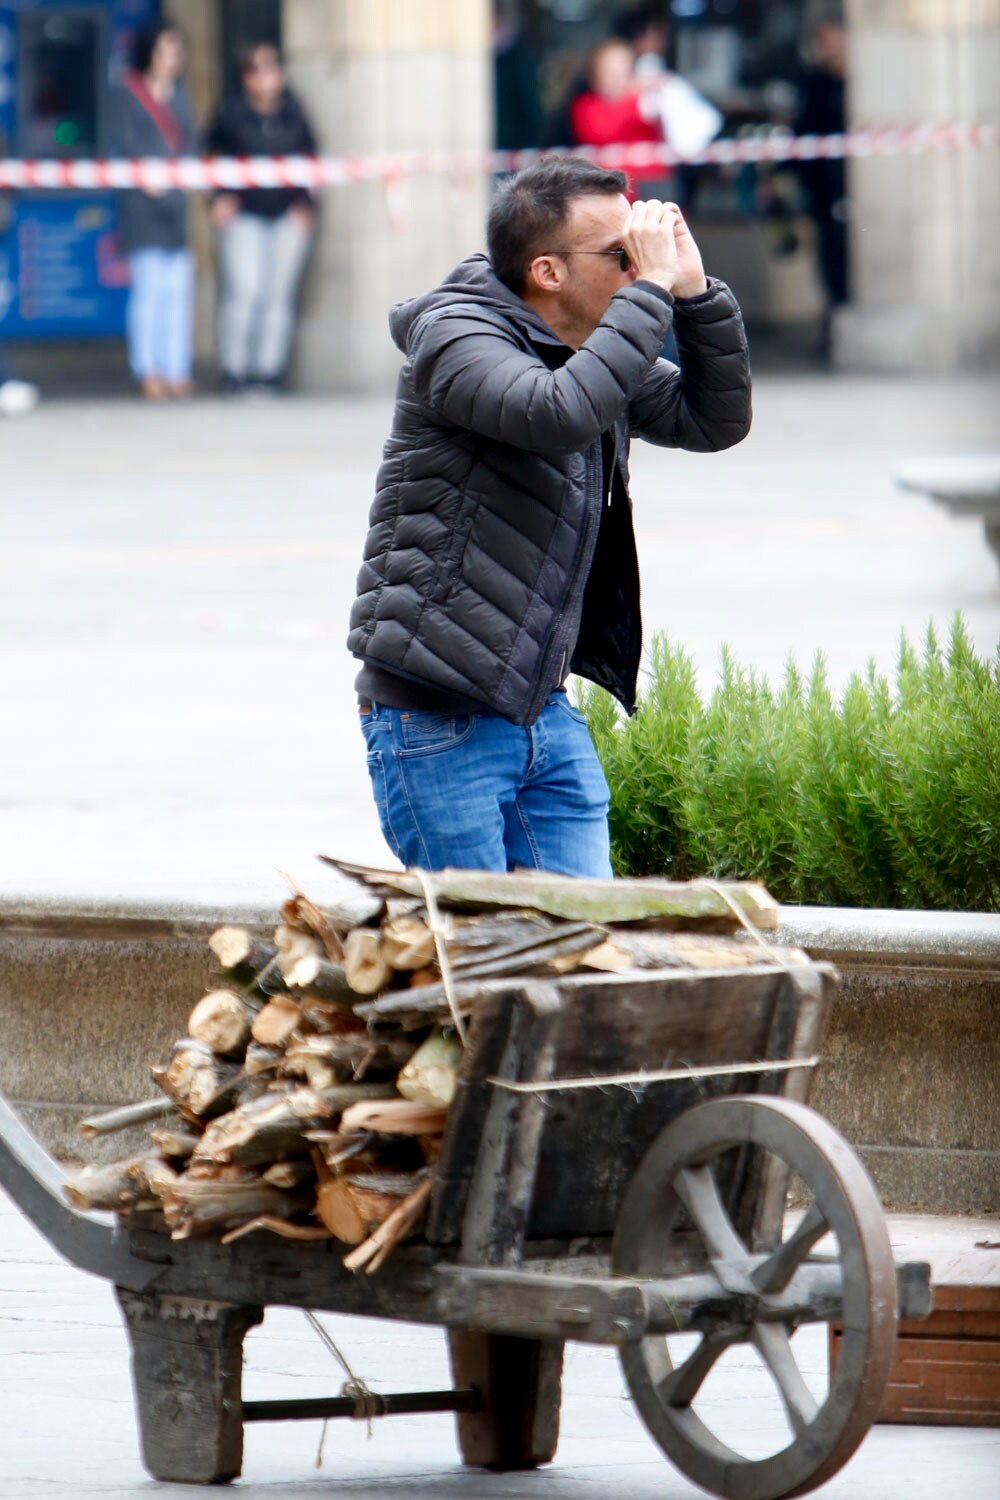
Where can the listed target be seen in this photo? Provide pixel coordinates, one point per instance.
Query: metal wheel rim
(850, 1207)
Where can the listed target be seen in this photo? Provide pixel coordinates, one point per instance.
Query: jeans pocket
(430, 734)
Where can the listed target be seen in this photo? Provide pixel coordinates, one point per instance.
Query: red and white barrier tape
(195, 174)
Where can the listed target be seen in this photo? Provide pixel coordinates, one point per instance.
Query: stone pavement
(69, 1429)
(175, 584)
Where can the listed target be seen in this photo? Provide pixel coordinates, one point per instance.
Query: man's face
(589, 280)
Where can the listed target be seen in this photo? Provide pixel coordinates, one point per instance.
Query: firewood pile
(311, 1094)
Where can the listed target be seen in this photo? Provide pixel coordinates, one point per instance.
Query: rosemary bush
(887, 797)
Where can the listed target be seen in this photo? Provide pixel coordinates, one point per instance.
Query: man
(501, 555)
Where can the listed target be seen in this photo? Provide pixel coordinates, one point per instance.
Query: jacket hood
(472, 282)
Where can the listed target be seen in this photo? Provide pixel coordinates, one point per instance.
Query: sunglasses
(622, 255)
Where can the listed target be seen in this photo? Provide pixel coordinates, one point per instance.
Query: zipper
(559, 639)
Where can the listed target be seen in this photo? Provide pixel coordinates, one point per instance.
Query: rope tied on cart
(367, 1403)
(659, 1075)
(669, 1075)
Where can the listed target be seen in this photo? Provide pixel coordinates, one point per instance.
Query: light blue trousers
(160, 319)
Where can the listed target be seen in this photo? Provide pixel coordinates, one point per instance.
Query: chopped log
(240, 953)
(304, 966)
(406, 942)
(261, 1059)
(160, 1175)
(200, 1170)
(197, 1080)
(402, 1221)
(393, 1117)
(274, 1125)
(367, 971)
(120, 1119)
(575, 899)
(420, 978)
(222, 1020)
(431, 1075)
(276, 1022)
(330, 1017)
(195, 1208)
(351, 1207)
(290, 1174)
(539, 954)
(301, 913)
(175, 1143)
(345, 1058)
(119, 1185)
(333, 1149)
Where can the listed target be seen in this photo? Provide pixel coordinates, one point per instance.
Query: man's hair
(530, 209)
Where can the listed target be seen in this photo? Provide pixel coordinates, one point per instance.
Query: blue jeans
(160, 318)
(475, 792)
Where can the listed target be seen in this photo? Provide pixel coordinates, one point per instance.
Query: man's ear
(545, 274)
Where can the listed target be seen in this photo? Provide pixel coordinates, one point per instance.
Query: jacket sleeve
(469, 367)
(705, 405)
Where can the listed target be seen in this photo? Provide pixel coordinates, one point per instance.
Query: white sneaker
(17, 398)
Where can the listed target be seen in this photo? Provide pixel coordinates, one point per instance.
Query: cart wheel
(677, 1180)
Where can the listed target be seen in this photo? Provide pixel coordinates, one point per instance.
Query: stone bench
(969, 485)
(92, 992)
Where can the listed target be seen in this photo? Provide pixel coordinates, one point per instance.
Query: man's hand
(662, 248)
(690, 271)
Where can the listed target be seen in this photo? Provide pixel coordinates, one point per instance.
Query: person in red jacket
(616, 109)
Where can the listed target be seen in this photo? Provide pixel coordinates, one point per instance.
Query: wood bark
(576, 899)
(128, 1115)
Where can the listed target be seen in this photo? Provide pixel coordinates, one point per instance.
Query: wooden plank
(520, 1383)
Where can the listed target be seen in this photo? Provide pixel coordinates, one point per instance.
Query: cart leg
(520, 1382)
(187, 1367)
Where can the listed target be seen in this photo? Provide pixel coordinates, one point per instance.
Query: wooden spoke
(680, 1387)
(698, 1190)
(778, 1270)
(774, 1347)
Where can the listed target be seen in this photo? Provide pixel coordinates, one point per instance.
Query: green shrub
(889, 797)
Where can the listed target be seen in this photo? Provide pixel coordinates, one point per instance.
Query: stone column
(385, 76)
(200, 25)
(924, 229)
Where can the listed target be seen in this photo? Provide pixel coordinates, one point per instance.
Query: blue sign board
(60, 272)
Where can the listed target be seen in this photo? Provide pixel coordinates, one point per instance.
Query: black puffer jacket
(489, 499)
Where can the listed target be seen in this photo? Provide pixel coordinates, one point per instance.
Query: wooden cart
(615, 1214)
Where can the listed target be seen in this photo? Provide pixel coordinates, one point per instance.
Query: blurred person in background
(152, 118)
(519, 119)
(618, 108)
(264, 234)
(822, 112)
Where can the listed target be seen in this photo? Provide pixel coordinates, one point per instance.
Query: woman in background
(152, 117)
(264, 234)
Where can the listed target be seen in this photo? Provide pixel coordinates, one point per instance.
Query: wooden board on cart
(946, 1370)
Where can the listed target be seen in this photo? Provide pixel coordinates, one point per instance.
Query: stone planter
(91, 993)
(911, 1056)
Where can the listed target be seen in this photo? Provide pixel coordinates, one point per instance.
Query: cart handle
(34, 1180)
